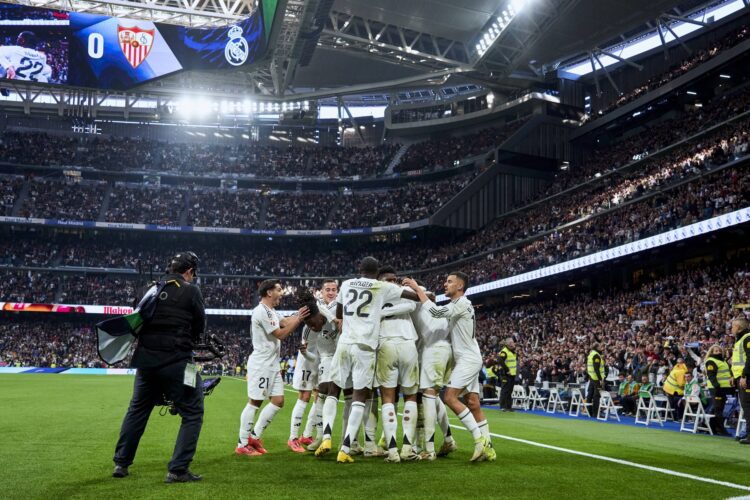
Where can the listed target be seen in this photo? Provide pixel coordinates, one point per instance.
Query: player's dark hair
(369, 265)
(306, 298)
(27, 39)
(462, 276)
(266, 286)
(330, 280)
(386, 270)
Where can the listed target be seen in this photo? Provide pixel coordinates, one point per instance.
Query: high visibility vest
(723, 374)
(675, 383)
(490, 372)
(645, 390)
(510, 361)
(738, 356)
(590, 366)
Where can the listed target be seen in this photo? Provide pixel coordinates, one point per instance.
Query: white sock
(355, 420)
(246, 422)
(390, 426)
(298, 413)
(345, 415)
(319, 415)
(311, 421)
(470, 423)
(484, 428)
(442, 418)
(371, 421)
(329, 415)
(265, 418)
(409, 422)
(430, 419)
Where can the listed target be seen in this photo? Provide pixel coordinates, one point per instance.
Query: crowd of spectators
(64, 200)
(225, 208)
(298, 211)
(695, 59)
(643, 330)
(446, 151)
(122, 154)
(10, 187)
(147, 205)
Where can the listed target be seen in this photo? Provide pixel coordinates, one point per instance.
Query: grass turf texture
(57, 436)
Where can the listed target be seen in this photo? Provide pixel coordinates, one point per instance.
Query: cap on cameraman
(184, 261)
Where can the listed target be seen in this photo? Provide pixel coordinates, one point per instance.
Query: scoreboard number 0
(96, 45)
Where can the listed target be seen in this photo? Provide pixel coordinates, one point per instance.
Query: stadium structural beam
(180, 12)
(606, 72)
(342, 104)
(679, 40)
(596, 78)
(661, 37)
(390, 42)
(613, 56)
(685, 20)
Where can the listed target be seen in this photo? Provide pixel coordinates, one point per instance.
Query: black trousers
(744, 397)
(506, 392)
(150, 384)
(719, 397)
(593, 396)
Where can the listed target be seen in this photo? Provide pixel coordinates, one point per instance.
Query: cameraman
(165, 370)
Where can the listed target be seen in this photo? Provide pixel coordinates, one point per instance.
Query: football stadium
(342, 248)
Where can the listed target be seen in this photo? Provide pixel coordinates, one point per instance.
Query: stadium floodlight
(725, 76)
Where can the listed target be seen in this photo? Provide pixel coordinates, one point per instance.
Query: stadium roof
(337, 47)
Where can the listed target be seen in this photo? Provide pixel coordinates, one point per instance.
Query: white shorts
(398, 365)
(263, 383)
(466, 376)
(305, 374)
(436, 367)
(324, 369)
(353, 366)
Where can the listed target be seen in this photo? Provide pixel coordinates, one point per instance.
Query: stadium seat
(578, 404)
(554, 401)
(519, 397)
(660, 409)
(695, 418)
(607, 408)
(536, 400)
(741, 423)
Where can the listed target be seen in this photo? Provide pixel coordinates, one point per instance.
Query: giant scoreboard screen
(89, 50)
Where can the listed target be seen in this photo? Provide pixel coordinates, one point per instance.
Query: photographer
(165, 370)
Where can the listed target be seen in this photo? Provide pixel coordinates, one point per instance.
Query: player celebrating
(359, 305)
(319, 329)
(468, 360)
(23, 61)
(435, 365)
(263, 373)
(397, 366)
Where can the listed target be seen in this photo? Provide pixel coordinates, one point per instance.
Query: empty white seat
(555, 401)
(578, 403)
(695, 418)
(607, 407)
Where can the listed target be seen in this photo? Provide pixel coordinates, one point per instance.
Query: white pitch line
(610, 459)
(619, 461)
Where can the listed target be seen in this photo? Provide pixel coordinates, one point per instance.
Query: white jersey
(29, 64)
(362, 300)
(396, 322)
(266, 348)
(322, 343)
(432, 331)
(460, 316)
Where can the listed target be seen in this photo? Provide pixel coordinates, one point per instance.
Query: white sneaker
(393, 457)
(429, 456)
(408, 453)
(315, 444)
(479, 454)
(374, 451)
(356, 449)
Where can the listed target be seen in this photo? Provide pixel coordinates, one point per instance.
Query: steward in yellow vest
(507, 361)
(675, 383)
(719, 381)
(597, 373)
(740, 368)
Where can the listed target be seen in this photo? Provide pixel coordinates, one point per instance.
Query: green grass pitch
(57, 436)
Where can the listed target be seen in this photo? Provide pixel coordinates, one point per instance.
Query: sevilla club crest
(135, 43)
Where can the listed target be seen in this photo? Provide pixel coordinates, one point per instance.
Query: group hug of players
(371, 335)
